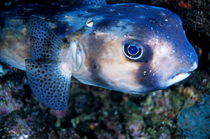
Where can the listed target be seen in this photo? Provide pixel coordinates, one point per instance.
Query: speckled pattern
(167, 56)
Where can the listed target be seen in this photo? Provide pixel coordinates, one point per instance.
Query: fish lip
(181, 75)
(177, 78)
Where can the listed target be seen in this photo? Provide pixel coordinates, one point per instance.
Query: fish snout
(189, 58)
(187, 63)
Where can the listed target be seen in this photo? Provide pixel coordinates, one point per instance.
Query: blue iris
(133, 51)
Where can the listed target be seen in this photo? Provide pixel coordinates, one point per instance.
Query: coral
(194, 121)
(7, 103)
(8, 89)
(20, 130)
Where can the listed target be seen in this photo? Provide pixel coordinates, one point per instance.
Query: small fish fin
(45, 43)
(48, 83)
(92, 2)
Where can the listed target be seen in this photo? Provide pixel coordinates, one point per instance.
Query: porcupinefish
(129, 47)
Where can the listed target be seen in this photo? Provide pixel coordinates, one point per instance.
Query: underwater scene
(105, 69)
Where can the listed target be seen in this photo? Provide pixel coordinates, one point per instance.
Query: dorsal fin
(44, 70)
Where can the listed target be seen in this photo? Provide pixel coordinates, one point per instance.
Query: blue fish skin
(92, 2)
(130, 48)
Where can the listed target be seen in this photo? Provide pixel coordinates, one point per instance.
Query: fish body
(128, 47)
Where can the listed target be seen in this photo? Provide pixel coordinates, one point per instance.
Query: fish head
(135, 49)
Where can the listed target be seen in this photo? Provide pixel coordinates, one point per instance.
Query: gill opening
(77, 55)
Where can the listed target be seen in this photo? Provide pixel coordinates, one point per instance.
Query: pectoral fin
(45, 44)
(46, 74)
(48, 83)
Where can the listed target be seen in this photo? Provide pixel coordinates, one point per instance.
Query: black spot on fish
(95, 70)
(45, 42)
(65, 40)
(95, 66)
(47, 83)
(95, 50)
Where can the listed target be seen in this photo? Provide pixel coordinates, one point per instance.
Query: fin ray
(48, 84)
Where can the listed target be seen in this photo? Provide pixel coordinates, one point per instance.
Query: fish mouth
(181, 76)
(177, 78)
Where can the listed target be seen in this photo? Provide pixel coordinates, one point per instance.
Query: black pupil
(133, 49)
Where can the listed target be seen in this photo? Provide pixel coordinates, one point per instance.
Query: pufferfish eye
(133, 51)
